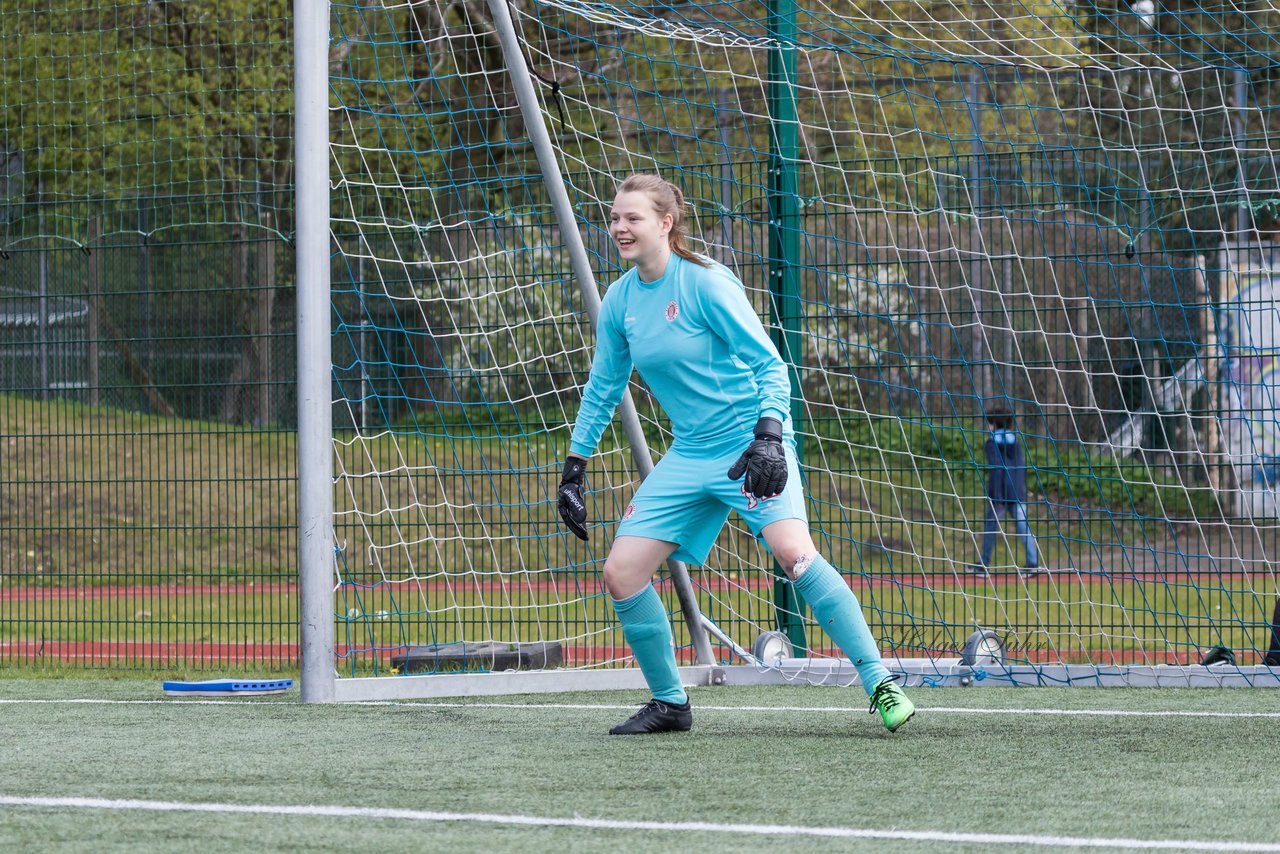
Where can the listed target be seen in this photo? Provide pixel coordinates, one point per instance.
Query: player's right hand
(573, 509)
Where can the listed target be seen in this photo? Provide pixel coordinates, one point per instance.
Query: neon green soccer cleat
(894, 707)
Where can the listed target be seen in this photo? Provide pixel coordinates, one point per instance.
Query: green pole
(784, 256)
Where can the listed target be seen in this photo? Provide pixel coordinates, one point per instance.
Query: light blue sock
(648, 633)
(838, 612)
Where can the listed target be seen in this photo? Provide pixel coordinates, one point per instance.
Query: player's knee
(610, 573)
(790, 543)
(623, 579)
(794, 554)
(795, 564)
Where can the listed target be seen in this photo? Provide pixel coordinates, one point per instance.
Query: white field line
(328, 811)
(436, 704)
(948, 710)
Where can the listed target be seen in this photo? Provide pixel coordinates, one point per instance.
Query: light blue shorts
(686, 501)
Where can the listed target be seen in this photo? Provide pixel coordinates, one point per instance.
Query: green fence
(146, 446)
(147, 400)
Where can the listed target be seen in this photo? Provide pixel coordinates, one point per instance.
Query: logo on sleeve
(629, 512)
(673, 311)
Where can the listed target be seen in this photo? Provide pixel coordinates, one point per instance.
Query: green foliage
(506, 316)
(112, 100)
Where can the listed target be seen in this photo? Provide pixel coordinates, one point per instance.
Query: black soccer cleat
(656, 716)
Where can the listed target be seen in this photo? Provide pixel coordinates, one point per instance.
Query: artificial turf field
(116, 765)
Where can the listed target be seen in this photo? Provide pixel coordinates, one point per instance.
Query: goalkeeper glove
(764, 462)
(573, 510)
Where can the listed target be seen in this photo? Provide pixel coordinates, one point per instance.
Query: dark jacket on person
(1007, 471)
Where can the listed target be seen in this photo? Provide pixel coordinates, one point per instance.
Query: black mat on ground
(460, 657)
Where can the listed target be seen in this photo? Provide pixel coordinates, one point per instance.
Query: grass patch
(100, 494)
(961, 766)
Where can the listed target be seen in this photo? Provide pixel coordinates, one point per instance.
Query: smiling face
(640, 233)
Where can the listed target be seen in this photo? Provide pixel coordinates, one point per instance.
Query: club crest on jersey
(629, 512)
(673, 311)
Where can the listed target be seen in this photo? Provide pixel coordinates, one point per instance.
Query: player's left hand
(573, 510)
(763, 462)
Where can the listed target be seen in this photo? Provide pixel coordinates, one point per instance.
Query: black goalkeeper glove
(573, 510)
(764, 461)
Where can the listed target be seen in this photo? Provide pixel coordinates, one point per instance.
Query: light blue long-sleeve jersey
(699, 346)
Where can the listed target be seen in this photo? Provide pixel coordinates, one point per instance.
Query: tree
(170, 101)
(1172, 92)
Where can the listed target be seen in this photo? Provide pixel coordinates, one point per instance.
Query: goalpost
(935, 215)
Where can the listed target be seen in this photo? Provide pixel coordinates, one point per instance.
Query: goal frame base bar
(953, 673)
(913, 673)
(505, 682)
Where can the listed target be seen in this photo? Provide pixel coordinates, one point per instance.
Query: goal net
(940, 209)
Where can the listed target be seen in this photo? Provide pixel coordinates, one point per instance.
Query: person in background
(685, 324)
(1006, 491)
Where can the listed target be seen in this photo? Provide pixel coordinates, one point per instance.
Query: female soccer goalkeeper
(684, 322)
